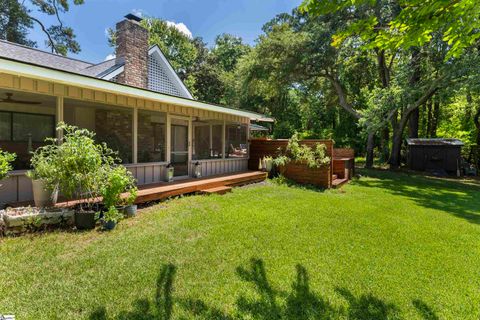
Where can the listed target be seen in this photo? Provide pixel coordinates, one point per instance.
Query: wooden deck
(163, 190)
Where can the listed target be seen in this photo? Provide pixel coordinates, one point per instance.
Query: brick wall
(132, 49)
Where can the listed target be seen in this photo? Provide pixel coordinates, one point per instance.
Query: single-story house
(136, 103)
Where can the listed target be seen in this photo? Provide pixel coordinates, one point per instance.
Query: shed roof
(434, 142)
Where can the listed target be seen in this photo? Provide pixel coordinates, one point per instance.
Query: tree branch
(342, 97)
(50, 40)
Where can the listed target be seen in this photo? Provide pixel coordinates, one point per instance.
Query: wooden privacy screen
(343, 153)
(260, 148)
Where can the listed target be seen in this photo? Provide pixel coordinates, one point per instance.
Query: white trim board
(30, 70)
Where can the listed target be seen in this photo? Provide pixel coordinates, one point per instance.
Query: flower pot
(85, 220)
(268, 165)
(131, 210)
(42, 196)
(109, 225)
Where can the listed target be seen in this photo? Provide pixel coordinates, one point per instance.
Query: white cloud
(180, 27)
(138, 12)
(110, 56)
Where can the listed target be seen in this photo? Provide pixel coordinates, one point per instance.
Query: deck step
(337, 183)
(217, 190)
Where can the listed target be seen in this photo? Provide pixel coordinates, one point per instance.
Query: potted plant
(111, 218)
(80, 164)
(130, 207)
(43, 175)
(118, 180)
(268, 163)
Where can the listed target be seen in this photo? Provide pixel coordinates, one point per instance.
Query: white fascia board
(68, 78)
(173, 76)
(114, 73)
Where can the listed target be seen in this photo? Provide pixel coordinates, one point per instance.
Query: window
(26, 127)
(207, 140)
(151, 136)
(236, 141)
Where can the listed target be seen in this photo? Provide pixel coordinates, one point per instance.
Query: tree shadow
(424, 310)
(300, 302)
(160, 308)
(263, 301)
(459, 199)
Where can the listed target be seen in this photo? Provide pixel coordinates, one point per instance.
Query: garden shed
(437, 155)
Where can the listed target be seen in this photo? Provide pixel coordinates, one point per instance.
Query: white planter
(43, 197)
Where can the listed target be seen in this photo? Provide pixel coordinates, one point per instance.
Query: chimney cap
(133, 17)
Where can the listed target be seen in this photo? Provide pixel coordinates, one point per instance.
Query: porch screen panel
(207, 140)
(152, 143)
(201, 142)
(236, 141)
(5, 126)
(217, 138)
(112, 125)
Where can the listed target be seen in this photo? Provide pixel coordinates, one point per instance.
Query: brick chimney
(132, 49)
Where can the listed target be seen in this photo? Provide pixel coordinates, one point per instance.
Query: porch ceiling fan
(9, 99)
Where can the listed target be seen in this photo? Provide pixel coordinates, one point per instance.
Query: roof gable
(162, 77)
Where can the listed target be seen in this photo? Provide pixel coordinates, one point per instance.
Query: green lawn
(386, 246)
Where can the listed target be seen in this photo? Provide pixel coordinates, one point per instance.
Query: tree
(416, 24)
(15, 23)
(398, 33)
(16, 19)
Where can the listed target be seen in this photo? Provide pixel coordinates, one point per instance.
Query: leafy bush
(77, 165)
(313, 157)
(112, 215)
(117, 181)
(6, 160)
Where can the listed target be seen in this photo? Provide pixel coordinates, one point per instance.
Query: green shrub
(117, 181)
(313, 157)
(6, 160)
(112, 215)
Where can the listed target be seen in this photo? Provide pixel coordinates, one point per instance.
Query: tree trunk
(384, 144)
(435, 118)
(370, 146)
(397, 138)
(429, 118)
(413, 123)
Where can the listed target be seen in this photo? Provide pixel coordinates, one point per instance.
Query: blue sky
(204, 18)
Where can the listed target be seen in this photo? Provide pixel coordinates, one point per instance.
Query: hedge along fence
(300, 173)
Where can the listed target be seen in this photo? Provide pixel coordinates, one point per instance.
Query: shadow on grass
(161, 308)
(263, 301)
(459, 199)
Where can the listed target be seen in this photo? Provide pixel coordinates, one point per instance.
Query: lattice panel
(158, 80)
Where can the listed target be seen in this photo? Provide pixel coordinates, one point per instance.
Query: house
(135, 103)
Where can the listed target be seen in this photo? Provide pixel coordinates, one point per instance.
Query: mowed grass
(386, 246)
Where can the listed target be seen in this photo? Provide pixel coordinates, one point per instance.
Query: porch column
(168, 136)
(190, 142)
(135, 135)
(59, 117)
(223, 140)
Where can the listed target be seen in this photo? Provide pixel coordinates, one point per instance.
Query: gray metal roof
(434, 142)
(22, 53)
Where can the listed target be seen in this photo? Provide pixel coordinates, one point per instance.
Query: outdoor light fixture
(169, 170)
(197, 170)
